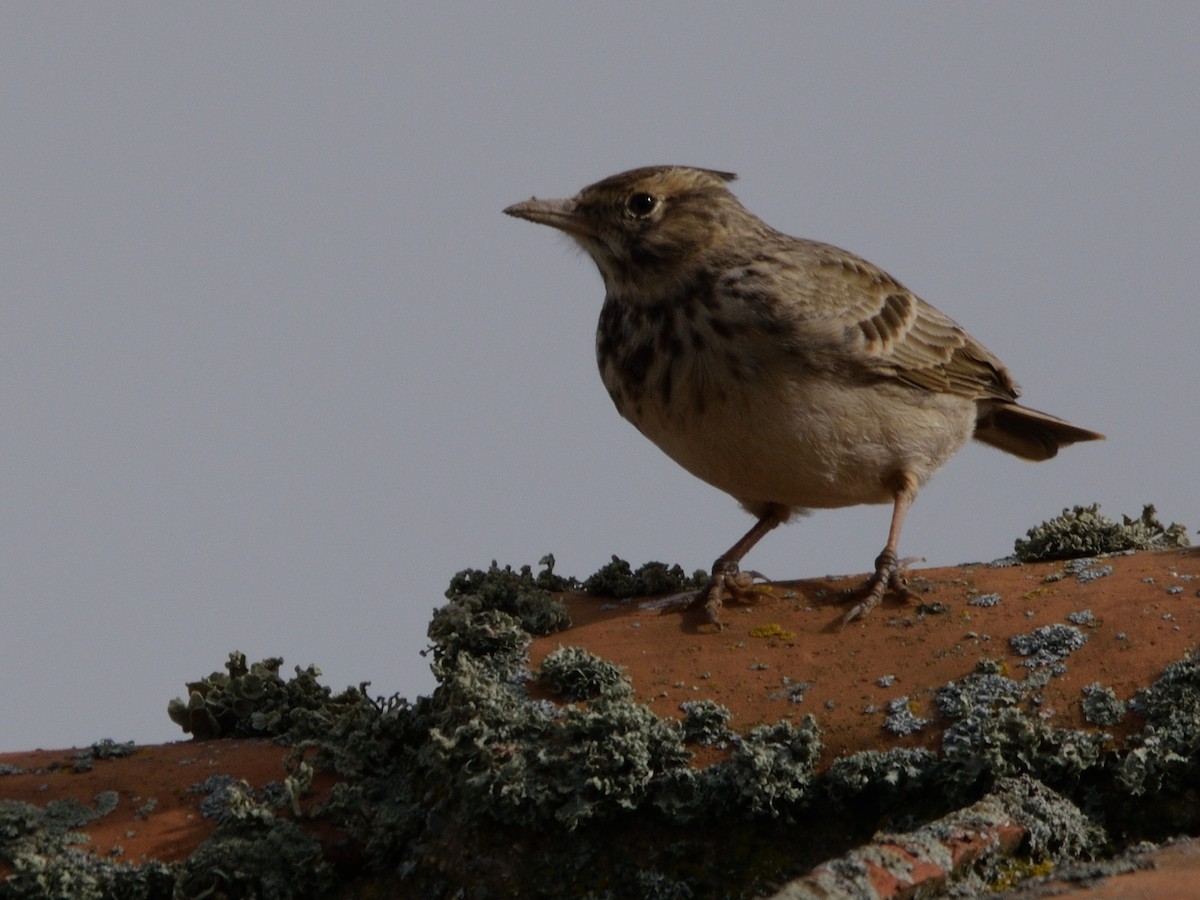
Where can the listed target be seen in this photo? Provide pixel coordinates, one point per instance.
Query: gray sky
(273, 365)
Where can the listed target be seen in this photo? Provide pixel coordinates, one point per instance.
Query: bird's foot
(728, 584)
(890, 575)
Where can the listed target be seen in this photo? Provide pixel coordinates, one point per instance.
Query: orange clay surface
(157, 816)
(1147, 615)
(794, 632)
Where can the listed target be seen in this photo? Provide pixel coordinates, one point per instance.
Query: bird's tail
(1026, 432)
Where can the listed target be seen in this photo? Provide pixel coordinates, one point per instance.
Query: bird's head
(643, 225)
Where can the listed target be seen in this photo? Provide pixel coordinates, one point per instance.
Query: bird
(789, 373)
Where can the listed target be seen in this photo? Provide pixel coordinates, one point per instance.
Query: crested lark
(786, 372)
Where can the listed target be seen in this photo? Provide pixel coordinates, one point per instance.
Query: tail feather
(1026, 432)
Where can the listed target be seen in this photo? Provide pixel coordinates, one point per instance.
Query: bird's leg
(728, 582)
(889, 575)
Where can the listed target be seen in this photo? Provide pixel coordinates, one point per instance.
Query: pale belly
(818, 444)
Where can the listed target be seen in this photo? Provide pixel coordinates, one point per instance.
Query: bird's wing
(885, 330)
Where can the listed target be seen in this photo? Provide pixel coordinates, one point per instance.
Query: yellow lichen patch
(1011, 872)
(1039, 592)
(772, 631)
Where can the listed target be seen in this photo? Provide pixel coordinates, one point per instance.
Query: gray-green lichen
(996, 732)
(103, 749)
(1048, 646)
(575, 674)
(619, 579)
(705, 722)
(482, 789)
(1101, 706)
(881, 779)
(521, 594)
(771, 769)
(255, 701)
(255, 854)
(607, 774)
(1083, 531)
(43, 847)
(901, 719)
(1056, 831)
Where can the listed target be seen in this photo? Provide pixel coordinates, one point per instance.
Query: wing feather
(887, 330)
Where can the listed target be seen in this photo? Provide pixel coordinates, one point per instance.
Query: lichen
(771, 768)
(902, 719)
(996, 733)
(1165, 756)
(227, 798)
(619, 579)
(257, 855)
(481, 764)
(41, 847)
(1101, 706)
(1083, 531)
(576, 674)
(482, 789)
(773, 630)
(519, 593)
(107, 748)
(986, 688)
(1086, 570)
(705, 722)
(984, 600)
(1048, 646)
(255, 701)
(897, 772)
(508, 760)
(792, 691)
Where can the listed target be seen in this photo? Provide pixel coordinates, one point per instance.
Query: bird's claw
(890, 575)
(728, 584)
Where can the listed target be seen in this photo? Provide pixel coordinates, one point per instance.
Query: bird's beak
(561, 214)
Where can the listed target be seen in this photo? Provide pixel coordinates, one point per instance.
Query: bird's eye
(641, 204)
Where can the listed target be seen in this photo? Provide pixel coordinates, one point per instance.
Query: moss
(1083, 531)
